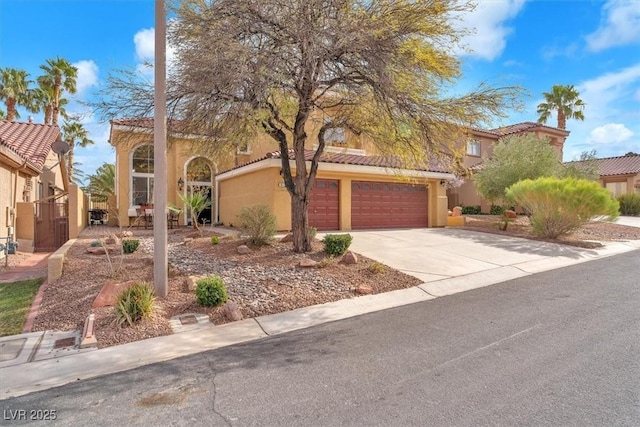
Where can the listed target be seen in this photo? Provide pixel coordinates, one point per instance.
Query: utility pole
(160, 258)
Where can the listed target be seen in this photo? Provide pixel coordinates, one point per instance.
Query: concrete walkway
(446, 260)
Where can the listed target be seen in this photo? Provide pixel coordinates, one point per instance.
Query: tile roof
(621, 165)
(30, 141)
(522, 127)
(147, 123)
(349, 159)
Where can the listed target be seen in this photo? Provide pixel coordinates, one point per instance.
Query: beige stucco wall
(78, 211)
(266, 186)
(25, 226)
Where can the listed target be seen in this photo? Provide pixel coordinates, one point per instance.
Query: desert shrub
(129, 246)
(471, 210)
(337, 244)
(326, 262)
(211, 291)
(496, 210)
(312, 231)
(559, 206)
(134, 304)
(258, 223)
(215, 240)
(629, 204)
(377, 267)
(96, 244)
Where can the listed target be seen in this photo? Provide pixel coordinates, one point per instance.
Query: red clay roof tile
(30, 141)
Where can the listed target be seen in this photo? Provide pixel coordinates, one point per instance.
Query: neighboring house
(481, 143)
(352, 191)
(620, 174)
(33, 186)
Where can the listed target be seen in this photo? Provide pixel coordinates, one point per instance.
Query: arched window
(142, 175)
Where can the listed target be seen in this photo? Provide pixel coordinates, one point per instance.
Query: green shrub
(96, 243)
(257, 223)
(337, 244)
(559, 206)
(496, 210)
(134, 304)
(129, 246)
(211, 291)
(629, 204)
(471, 210)
(215, 240)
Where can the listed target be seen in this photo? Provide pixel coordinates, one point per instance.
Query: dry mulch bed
(67, 301)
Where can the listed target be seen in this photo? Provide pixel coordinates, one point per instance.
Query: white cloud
(490, 34)
(611, 133)
(605, 94)
(145, 44)
(620, 25)
(144, 41)
(87, 75)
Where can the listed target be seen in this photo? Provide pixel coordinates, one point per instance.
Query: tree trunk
(300, 223)
(70, 157)
(11, 109)
(562, 120)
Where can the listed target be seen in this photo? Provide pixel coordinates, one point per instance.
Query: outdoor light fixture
(180, 183)
(443, 182)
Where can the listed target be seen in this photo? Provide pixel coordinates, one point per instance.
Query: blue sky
(593, 45)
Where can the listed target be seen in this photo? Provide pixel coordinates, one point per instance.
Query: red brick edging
(35, 306)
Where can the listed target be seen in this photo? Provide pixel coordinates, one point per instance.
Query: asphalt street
(555, 348)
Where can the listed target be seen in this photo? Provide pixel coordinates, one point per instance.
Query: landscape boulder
(307, 263)
(112, 240)
(510, 214)
(287, 239)
(364, 290)
(244, 250)
(350, 258)
(232, 311)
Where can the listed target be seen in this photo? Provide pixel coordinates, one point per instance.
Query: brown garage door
(387, 205)
(324, 205)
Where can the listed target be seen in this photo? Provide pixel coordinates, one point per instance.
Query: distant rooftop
(30, 141)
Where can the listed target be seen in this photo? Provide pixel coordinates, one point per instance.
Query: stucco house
(620, 174)
(481, 143)
(352, 190)
(33, 187)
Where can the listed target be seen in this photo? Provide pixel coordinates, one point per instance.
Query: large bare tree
(385, 68)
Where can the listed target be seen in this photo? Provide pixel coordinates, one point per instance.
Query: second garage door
(387, 205)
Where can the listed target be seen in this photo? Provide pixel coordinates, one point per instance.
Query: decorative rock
(126, 233)
(307, 263)
(112, 240)
(232, 311)
(510, 214)
(349, 258)
(96, 250)
(243, 250)
(187, 240)
(364, 290)
(191, 282)
(109, 293)
(457, 211)
(287, 239)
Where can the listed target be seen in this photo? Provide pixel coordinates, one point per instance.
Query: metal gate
(51, 225)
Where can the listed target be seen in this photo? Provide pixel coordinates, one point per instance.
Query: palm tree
(14, 90)
(60, 76)
(563, 99)
(103, 182)
(74, 130)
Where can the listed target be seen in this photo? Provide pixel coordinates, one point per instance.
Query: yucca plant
(134, 304)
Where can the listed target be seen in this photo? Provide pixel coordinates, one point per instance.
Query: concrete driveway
(450, 260)
(631, 221)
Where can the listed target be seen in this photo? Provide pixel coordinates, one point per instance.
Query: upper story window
(335, 136)
(473, 148)
(142, 175)
(243, 148)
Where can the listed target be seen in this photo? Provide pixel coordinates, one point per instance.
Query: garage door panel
(324, 205)
(388, 205)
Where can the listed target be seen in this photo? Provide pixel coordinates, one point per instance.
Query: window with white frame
(243, 148)
(142, 175)
(473, 148)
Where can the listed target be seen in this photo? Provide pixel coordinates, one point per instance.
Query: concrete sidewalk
(447, 260)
